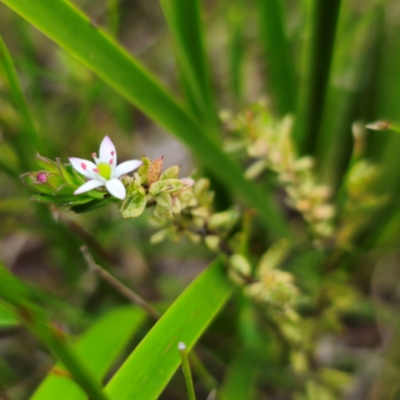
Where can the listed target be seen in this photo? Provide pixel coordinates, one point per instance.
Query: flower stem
(123, 289)
(186, 371)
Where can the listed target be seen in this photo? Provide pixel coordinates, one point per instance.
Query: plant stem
(123, 289)
(204, 376)
(186, 371)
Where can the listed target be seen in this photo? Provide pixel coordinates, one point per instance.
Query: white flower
(105, 172)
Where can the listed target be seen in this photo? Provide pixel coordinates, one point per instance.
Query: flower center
(104, 170)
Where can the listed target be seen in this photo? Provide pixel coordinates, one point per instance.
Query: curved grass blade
(26, 142)
(99, 346)
(154, 361)
(7, 317)
(19, 297)
(64, 24)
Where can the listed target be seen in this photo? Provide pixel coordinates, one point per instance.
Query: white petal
(127, 166)
(116, 188)
(89, 185)
(84, 167)
(108, 154)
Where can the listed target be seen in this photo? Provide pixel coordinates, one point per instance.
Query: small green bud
(187, 199)
(200, 212)
(303, 164)
(39, 181)
(212, 242)
(223, 220)
(255, 169)
(273, 257)
(159, 236)
(240, 264)
(192, 236)
(170, 173)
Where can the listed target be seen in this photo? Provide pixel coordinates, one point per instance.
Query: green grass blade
(7, 317)
(281, 77)
(154, 361)
(323, 19)
(64, 24)
(236, 19)
(18, 296)
(184, 21)
(98, 346)
(26, 143)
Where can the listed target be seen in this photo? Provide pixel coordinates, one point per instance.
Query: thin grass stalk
(186, 371)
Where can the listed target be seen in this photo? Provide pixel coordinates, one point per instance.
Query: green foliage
(149, 368)
(315, 156)
(99, 346)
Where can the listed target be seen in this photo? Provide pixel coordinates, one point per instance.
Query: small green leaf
(171, 173)
(133, 205)
(167, 186)
(46, 163)
(143, 171)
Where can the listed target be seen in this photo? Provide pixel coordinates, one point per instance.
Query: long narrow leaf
(26, 142)
(99, 346)
(63, 23)
(276, 48)
(154, 361)
(323, 20)
(184, 21)
(236, 18)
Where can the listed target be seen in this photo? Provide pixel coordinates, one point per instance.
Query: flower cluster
(269, 284)
(270, 145)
